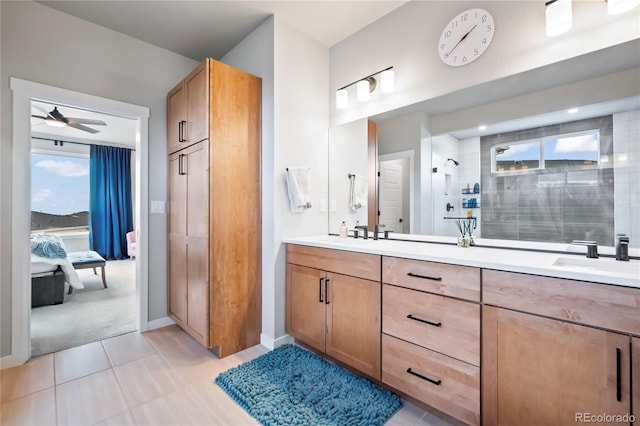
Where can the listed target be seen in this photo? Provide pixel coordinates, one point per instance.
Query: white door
(390, 196)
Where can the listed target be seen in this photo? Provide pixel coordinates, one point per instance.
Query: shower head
(454, 161)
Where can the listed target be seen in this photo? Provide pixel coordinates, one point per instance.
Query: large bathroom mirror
(551, 155)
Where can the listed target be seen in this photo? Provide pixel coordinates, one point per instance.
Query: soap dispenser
(343, 230)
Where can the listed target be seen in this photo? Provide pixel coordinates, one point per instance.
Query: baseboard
(159, 323)
(272, 343)
(9, 361)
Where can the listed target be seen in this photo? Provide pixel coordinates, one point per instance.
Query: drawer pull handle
(435, 382)
(618, 374)
(435, 324)
(320, 291)
(411, 274)
(326, 292)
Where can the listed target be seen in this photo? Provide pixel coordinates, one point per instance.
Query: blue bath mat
(292, 386)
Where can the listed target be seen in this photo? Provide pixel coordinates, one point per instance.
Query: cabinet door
(195, 168)
(353, 322)
(176, 116)
(177, 250)
(538, 371)
(635, 357)
(305, 318)
(197, 104)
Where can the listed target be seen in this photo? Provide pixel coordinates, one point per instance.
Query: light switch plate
(157, 207)
(323, 205)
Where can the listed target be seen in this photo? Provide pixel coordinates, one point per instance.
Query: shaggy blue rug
(292, 386)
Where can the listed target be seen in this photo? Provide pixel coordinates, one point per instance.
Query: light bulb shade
(362, 90)
(55, 123)
(342, 99)
(616, 7)
(559, 17)
(387, 81)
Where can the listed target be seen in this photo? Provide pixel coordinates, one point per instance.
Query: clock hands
(462, 39)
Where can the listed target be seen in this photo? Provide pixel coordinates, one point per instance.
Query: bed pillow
(48, 245)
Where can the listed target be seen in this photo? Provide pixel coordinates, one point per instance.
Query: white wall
(626, 159)
(348, 154)
(446, 184)
(99, 62)
(295, 82)
(407, 39)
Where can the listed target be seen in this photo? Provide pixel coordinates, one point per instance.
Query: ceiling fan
(56, 119)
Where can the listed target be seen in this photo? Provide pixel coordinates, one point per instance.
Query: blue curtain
(110, 204)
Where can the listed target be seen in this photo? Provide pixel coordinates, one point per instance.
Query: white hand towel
(299, 188)
(359, 192)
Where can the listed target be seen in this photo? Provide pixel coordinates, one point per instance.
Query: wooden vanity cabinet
(635, 376)
(330, 309)
(431, 338)
(543, 359)
(213, 212)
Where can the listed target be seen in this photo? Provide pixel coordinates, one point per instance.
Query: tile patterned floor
(162, 377)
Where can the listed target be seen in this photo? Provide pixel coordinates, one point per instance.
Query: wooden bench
(87, 259)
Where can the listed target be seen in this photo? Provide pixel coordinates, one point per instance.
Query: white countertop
(570, 265)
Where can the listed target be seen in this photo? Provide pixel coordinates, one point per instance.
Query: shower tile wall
(549, 205)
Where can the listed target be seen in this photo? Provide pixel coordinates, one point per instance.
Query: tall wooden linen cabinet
(214, 208)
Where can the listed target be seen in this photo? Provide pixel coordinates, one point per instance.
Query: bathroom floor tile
(34, 409)
(90, 399)
(127, 347)
(80, 361)
(33, 376)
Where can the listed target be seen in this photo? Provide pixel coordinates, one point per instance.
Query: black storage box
(47, 290)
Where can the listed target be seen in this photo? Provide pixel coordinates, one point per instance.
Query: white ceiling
(201, 29)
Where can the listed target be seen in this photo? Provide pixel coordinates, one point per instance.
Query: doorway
(23, 92)
(65, 179)
(395, 191)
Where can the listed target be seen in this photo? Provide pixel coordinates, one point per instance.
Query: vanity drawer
(456, 390)
(440, 278)
(361, 265)
(601, 305)
(445, 325)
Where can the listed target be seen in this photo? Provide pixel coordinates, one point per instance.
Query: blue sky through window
(59, 184)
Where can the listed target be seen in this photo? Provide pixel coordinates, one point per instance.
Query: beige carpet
(89, 314)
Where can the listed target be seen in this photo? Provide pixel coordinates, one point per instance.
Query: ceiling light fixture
(616, 7)
(55, 123)
(365, 86)
(482, 127)
(558, 17)
(572, 110)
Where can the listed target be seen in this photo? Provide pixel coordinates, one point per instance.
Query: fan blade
(41, 109)
(81, 127)
(38, 116)
(86, 121)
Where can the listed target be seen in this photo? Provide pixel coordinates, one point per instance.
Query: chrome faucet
(592, 248)
(622, 248)
(376, 230)
(365, 231)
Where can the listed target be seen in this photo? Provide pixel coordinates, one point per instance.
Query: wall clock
(466, 37)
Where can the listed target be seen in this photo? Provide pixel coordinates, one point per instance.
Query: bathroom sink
(601, 265)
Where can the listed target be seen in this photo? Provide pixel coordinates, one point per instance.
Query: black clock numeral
(488, 28)
(454, 24)
(464, 17)
(484, 41)
(464, 59)
(475, 52)
(447, 34)
(484, 18)
(446, 55)
(455, 59)
(442, 46)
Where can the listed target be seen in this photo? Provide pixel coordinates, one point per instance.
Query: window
(59, 192)
(572, 150)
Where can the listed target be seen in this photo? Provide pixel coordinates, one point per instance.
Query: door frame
(401, 155)
(23, 92)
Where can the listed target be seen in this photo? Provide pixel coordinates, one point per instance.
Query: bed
(50, 269)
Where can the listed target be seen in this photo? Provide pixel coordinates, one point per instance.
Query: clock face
(466, 37)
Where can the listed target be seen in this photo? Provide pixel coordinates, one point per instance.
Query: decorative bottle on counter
(343, 230)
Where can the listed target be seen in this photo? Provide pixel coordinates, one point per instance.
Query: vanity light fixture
(365, 86)
(572, 110)
(616, 7)
(558, 17)
(482, 127)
